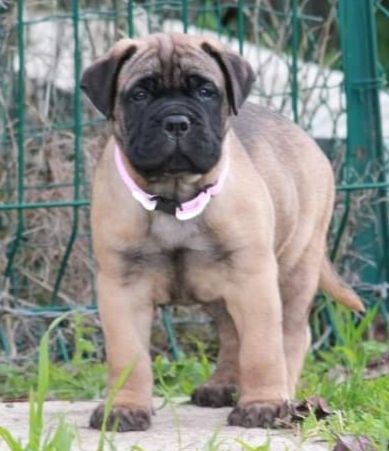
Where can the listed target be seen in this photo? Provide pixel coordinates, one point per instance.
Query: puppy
(200, 197)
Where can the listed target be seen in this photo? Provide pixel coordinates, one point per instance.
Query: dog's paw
(215, 395)
(121, 419)
(259, 414)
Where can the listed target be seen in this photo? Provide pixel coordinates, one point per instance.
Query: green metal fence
(317, 62)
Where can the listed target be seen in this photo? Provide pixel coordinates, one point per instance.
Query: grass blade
(120, 381)
(13, 444)
(37, 399)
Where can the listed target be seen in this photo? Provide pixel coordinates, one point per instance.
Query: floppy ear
(99, 79)
(238, 73)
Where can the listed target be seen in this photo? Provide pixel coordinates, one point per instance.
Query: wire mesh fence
(316, 62)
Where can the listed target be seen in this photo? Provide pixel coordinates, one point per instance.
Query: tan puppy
(193, 204)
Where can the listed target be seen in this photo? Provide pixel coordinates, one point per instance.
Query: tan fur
(333, 285)
(258, 248)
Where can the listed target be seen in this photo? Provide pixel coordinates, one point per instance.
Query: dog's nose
(176, 125)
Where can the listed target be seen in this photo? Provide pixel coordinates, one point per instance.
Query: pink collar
(184, 211)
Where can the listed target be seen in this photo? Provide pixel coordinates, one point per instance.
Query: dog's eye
(139, 95)
(206, 93)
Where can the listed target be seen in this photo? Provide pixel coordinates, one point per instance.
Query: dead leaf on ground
(314, 404)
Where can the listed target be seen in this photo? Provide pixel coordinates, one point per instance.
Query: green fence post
(130, 18)
(170, 332)
(241, 30)
(20, 138)
(185, 15)
(77, 128)
(295, 56)
(364, 140)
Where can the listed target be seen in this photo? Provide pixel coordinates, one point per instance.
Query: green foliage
(81, 378)
(360, 405)
(181, 377)
(62, 437)
(83, 346)
(247, 447)
(67, 382)
(349, 333)
(214, 443)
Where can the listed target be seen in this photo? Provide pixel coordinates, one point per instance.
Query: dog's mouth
(179, 163)
(176, 165)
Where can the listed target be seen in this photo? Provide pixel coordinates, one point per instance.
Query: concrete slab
(176, 426)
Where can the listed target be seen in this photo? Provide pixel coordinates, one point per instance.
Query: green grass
(87, 380)
(62, 437)
(68, 382)
(180, 378)
(360, 406)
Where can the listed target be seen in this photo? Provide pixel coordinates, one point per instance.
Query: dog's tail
(331, 283)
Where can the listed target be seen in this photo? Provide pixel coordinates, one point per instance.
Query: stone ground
(176, 427)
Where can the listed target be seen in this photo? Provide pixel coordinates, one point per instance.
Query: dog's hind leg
(298, 288)
(221, 389)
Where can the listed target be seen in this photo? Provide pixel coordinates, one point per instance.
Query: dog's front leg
(126, 313)
(254, 303)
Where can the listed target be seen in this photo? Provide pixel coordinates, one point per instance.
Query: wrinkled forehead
(171, 59)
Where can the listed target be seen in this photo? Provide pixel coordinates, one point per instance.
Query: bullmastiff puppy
(201, 197)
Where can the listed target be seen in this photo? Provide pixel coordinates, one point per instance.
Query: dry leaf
(315, 404)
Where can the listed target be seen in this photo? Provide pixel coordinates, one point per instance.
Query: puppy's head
(169, 97)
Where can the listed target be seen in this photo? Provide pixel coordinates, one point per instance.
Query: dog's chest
(170, 234)
(174, 251)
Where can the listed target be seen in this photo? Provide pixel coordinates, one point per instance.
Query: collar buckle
(166, 205)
